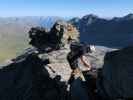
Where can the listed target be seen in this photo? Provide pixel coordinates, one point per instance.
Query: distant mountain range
(18, 24)
(114, 32)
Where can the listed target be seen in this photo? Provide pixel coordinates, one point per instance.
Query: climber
(76, 58)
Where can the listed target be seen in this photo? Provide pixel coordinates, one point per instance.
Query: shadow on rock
(29, 80)
(46, 41)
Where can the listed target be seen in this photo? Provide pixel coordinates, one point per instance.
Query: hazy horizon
(65, 17)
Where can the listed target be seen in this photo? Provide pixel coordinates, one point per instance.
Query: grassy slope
(13, 34)
(11, 46)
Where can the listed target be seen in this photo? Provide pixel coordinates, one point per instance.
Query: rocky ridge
(115, 32)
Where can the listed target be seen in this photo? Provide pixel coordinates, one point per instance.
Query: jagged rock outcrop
(59, 35)
(41, 38)
(116, 78)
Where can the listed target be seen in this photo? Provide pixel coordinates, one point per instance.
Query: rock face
(117, 74)
(17, 79)
(29, 79)
(115, 32)
(58, 63)
(60, 34)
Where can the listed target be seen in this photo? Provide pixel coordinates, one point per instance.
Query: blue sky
(65, 8)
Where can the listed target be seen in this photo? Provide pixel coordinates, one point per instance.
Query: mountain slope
(14, 33)
(115, 32)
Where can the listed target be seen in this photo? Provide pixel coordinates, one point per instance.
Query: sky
(65, 8)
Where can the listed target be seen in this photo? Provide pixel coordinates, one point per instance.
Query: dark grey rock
(45, 40)
(28, 79)
(116, 77)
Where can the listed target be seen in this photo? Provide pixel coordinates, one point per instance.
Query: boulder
(116, 78)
